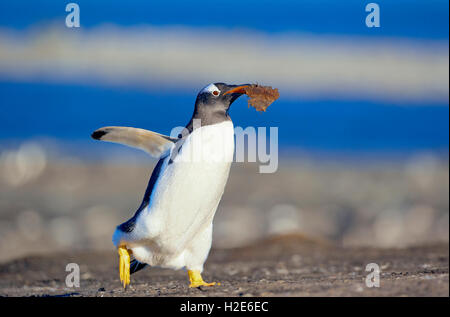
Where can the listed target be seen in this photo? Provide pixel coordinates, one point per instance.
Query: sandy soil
(280, 266)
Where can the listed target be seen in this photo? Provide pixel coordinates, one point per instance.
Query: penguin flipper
(151, 142)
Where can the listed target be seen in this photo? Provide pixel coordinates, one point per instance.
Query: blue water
(399, 18)
(72, 112)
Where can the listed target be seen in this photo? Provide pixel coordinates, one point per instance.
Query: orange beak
(239, 89)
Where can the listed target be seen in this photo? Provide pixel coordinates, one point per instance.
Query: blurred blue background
(363, 116)
(37, 104)
(401, 18)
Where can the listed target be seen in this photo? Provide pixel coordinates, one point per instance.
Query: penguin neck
(207, 115)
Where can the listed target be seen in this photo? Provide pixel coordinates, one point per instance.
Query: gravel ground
(280, 266)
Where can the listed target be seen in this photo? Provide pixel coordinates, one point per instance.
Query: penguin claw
(197, 281)
(124, 266)
(196, 285)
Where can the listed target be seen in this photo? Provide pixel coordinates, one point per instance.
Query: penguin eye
(215, 92)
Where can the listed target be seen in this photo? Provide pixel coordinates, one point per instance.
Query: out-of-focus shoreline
(62, 202)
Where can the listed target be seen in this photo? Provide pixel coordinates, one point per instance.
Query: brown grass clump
(261, 97)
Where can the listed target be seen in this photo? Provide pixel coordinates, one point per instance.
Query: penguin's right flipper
(153, 143)
(136, 266)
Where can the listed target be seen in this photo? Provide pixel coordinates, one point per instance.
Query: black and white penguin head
(219, 96)
(213, 103)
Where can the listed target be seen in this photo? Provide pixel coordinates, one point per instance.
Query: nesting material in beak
(260, 97)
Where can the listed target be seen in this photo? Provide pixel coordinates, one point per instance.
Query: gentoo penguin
(172, 228)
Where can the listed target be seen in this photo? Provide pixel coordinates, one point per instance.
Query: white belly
(186, 196)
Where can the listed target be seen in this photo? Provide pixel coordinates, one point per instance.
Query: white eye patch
(212, 89)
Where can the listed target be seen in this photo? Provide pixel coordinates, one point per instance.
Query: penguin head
(218, 96)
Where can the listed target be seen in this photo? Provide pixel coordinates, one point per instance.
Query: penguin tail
(136, 266)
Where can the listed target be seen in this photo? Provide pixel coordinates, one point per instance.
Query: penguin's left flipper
(151, 142)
